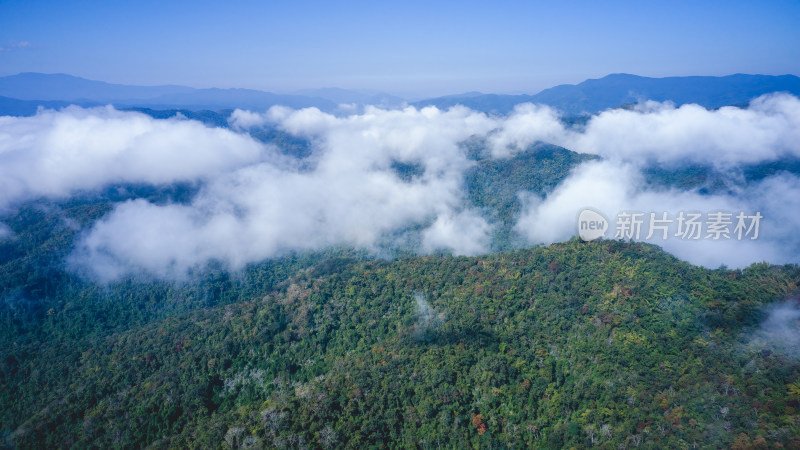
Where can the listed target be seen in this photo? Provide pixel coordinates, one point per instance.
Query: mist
(428, 320)
(780, 330)
(660, 134)
(654, 132)
(613, 188)
(254, 203)
(424, 311)
(56, 153)
(5, 231)
(350, 196)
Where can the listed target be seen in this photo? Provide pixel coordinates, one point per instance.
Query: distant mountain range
(355, 97)
(23, 93)
(595, 95)
(19, 94)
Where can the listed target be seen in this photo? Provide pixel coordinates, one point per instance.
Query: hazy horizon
(414, 49)
(407, 96)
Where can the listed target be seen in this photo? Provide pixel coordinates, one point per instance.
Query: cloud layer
(255, 204)
(5, 231)
(659, 132)
(767, 130)
(56, 153)
(613, 188)
(779, 331)
(351, 196)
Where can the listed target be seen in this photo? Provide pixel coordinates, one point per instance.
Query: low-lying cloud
(779, 331)
(659, 132)
(351, 196)
(428, 320)
(56, 153)
(612, 188)
(5, 231)
(254, 203)
(767, 130)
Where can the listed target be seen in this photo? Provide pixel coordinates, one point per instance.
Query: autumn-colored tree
(478, 423)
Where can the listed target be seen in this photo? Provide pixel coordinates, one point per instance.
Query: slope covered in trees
(573, 344)
(608, 344)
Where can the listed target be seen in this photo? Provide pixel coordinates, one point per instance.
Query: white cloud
(779, 331)
(21, 45)
(526, 125)
(55, 153)
(5, 231)
(767, 130)
(659, 133)
(255, 204)
(464, 233)
(243, 120)
(611, 188)
(351, 196)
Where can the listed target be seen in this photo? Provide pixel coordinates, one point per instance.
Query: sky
(410, 48)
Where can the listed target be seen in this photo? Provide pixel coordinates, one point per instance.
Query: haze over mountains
(274, 277)
(595, 95)
(401, 180)
(398, 179)
(24, 92)
(21, 94)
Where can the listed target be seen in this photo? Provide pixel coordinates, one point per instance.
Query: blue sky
(422, 48)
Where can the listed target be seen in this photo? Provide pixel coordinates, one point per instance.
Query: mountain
(229, 99)
(710, 92)
(594, 95)
(358, 97)
(68, 88)
(17, 107)
(489, 103)
(588, 97)
(43, 88)
(605, 344)
(602, 344)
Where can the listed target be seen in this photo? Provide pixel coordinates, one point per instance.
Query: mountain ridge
(23, 93)
(37, 87)
(596, 94)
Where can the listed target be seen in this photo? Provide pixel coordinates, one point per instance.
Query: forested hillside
(406, 225)
(609, 344)
(574, 344)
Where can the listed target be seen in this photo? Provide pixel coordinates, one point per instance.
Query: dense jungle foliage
(574, 344)
(607, 344)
